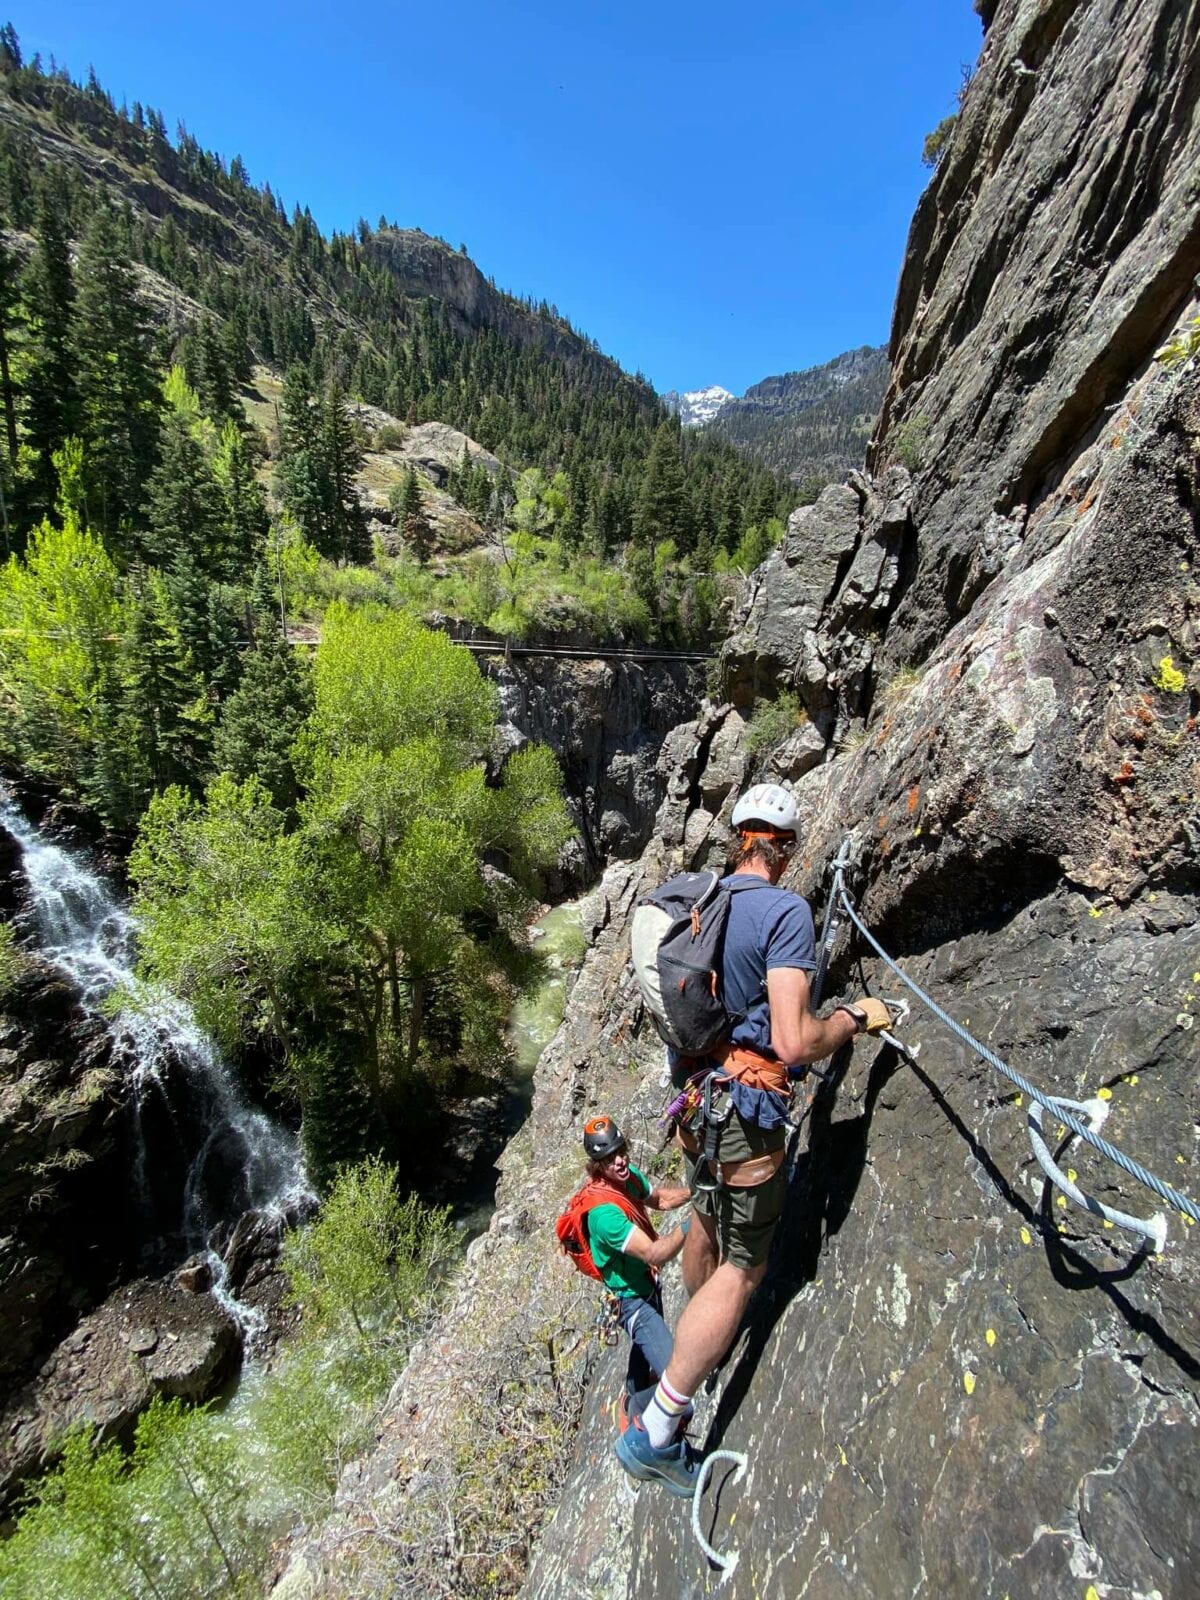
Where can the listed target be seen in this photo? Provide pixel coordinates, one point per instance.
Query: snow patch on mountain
(697, 406)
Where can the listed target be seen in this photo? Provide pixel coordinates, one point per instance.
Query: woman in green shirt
(628, 1252)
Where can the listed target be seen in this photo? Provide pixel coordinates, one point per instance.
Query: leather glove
(871, 1015)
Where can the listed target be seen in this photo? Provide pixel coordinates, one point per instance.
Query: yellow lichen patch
(1072, 1175)
(1020, 1100)
(1108, 1224)
(1091, 1593)
(990, 1336)
(1095, 911)
(969, 1381)
(1104, 1094)
(1026, 1236)
(1061, 1202)
(1169, 678)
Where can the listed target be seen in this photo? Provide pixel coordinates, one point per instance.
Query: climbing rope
(1179, 1202)
(724, 1563)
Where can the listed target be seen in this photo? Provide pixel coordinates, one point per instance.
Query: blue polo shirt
(767, 928)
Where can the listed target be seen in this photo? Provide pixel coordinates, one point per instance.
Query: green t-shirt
(608, 1229)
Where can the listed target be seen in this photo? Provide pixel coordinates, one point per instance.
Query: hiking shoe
(623, 1414)
(676, 1466)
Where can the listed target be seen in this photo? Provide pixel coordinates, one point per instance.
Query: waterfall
(201, 1154)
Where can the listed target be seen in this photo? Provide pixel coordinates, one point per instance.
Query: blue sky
(714, 192)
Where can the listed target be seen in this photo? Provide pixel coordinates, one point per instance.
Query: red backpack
(571, 1226)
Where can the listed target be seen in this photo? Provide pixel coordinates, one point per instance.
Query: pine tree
(343, 462)
(52, 405)
(303, 480)
(245, 516)
(120, 394)
(410, 515)
(213, 381)
(184, 502)
(153, 726)
(662, 511)
(261, 719)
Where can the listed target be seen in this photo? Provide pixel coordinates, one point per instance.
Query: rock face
(1049, 255)
(605, 721)
(814, 613)
(149, 1338)
(953, 1381)
(62, 1152)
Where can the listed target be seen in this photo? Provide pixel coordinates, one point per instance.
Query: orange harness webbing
(756, 1071)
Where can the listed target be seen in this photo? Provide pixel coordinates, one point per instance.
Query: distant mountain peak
(697, 406)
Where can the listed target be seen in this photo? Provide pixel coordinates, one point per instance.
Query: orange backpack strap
(598, 1192)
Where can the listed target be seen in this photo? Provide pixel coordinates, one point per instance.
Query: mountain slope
(813, 424)
(396, 317)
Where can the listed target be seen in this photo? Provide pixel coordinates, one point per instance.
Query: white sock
(662, 1416)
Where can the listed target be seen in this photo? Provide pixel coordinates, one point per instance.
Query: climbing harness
(608, 1320)
(1153, 1229)
(726, 1563)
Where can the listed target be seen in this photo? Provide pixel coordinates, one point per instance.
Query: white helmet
(769, 804)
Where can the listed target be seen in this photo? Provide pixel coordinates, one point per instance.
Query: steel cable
(1135, 1169)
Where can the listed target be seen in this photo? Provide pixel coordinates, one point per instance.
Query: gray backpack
(676, 940)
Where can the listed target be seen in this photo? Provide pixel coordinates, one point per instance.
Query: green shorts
(745, 1218)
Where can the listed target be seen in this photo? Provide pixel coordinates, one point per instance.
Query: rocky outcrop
(814, 613)
(605, 720)
(1057, 243)
(150, 1338)
(61, 1156)
(953, 1381)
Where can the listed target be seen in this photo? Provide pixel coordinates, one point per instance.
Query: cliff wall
(952, 1382)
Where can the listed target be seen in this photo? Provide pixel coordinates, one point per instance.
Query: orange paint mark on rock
(914, 798)
(1124, 773)
(882, 821)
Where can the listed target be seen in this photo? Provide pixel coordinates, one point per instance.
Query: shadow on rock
(825, 1179)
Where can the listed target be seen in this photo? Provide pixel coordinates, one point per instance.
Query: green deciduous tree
(358, 922)
(60, 613)
(228, 914)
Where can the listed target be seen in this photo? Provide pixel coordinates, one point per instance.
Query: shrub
(390, 437)
(12, 962)
(1181, 350)
(937, 142)
(772, 721)
(910, 443)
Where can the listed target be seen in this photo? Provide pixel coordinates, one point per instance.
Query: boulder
(150, 1337)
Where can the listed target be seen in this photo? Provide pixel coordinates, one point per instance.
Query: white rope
(724, 1563)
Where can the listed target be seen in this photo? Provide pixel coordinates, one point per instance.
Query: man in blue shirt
(738, 1193)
